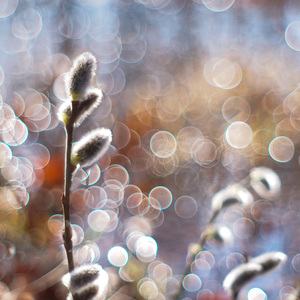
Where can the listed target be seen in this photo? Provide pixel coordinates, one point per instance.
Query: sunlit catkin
(265, 182)
(269, 261)
(86, 282)
(233, 194)
(84, 108)
(240, 276)
(91, 147)
(79, 78)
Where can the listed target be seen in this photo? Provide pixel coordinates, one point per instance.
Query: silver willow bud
(86, 282)
(84, 109)
(91, 147)
(231, 195)
(269, 261)
(79, 78)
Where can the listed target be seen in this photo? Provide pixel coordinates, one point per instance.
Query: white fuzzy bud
(231, 195)
(84, 108)
(265, 182)
(87, 282)
(240, 276)
(269, 261)
(79, 78)
(91, 147)
(221, 235)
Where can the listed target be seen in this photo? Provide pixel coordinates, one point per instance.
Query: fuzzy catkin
(86, 282)
(240, 276)
(84, 109)
(79, 78)
(91, 147)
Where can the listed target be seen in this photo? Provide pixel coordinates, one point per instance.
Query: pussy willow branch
(191, 256)
(67, 235)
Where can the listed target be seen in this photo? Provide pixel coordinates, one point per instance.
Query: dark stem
(67, 235)
(191, 256)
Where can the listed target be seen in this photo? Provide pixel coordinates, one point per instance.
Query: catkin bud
(265, 182)
(233, 194)
(221, 235)
(269, 261)
(79, 78)
(87, 282)
(91, 147)
(84, 108)
(240, 276)
(64, 112)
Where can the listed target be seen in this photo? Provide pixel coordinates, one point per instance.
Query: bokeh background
(196, 94)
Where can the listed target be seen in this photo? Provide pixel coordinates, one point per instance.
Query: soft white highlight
(265, 182)
(270, 261)
(241, 275)
(87, 282)
(231, 195)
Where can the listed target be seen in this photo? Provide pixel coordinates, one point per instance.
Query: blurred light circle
(8, 7)
(261, 140)
(223, 73)
(292, 35)
(114, 190)
(191, 283)
(243, 228)
(38, 154)
(77, 234)
(256, 294)
(163, 144)
(186, 207)
(117, 172)
(281, 149)
(262, 210)
(238, 135)
(218, 5)
(187, 136)
(160, 197)
(6, 155)
(205, 294)
(88, 253)
(117, 256)
(148, 289)
(17, 135)
(236, 109)
(146, 248)
(162, 271)
(204, 152)
(18, 197)
(187, 178)
(296, 263)
(93, 175)
(27, 24)
(287, 292)
(1, 75)
(55, 225)
(59, 87)
(98, 220)
(95, 197)
(121, 135)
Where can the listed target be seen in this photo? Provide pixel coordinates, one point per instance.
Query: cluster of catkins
(266, 183)
(86, 282)
(85, 99)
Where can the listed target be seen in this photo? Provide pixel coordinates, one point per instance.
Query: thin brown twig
(191, 256)
(67, 235)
